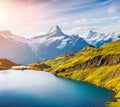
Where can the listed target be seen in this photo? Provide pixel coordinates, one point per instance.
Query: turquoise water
(42, 89)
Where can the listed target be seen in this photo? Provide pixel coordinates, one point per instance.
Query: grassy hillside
(99, 66)
(54, 62)
(6, 64)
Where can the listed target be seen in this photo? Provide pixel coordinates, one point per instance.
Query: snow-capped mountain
(55, 43)
(11, 37)
(15, 48)
(99, 39)
(52, 44)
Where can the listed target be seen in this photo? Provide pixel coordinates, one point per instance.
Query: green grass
(107, 76)
(109, 49)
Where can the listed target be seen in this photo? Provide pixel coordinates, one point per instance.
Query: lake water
(41, 89)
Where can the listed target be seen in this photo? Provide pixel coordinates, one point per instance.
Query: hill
(6, 64)
(99, 66)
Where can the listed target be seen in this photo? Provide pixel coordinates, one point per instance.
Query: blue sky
(29, 18)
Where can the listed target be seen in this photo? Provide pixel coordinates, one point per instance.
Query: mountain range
(99, 39)
(53, 43)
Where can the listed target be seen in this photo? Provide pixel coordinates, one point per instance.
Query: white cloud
(115, 28)
(82, 29)
(66, 23)
(41, 33)
(83, 20)
(94, 20)
(26, 20)
(112, 9)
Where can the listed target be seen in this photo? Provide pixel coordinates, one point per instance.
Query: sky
(29, 18)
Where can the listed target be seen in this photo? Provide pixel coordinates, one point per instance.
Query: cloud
(71, 7)
(93, 21)
(26, 1)
(104, 19)
(114, 6)
(113, 9)
(75, 22)
(81, 21)
(82, 29)
(40, 33)
(112, 28)
(66, 23)
(39, 15)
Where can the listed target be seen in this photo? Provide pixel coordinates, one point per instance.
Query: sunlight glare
(2, 16)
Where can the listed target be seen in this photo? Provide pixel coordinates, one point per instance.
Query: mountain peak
(57, 27)
(5, 32)
(91, 34)
(55, 30)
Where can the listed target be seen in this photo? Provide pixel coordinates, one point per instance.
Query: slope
(99, 66)
(6, 64)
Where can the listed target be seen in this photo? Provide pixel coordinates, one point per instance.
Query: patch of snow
(63, 44)
(45, 40)
(34, 47)
(94, 37)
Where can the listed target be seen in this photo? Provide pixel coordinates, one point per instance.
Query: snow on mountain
(55, 43)
(55, 31)
(99, 39)
(51, 44)
(14, 50)
(11, 37)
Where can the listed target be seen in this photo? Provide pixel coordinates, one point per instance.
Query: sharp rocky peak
(55, 30)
